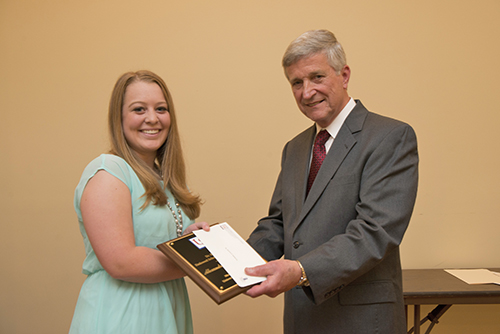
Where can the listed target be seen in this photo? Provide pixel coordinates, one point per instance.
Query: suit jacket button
(296, 244)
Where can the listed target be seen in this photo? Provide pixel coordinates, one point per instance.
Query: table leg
(406, 315)
(416, 319)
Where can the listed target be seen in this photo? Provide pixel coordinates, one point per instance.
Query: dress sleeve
(112, 164)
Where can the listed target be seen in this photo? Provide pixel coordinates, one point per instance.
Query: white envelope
(232, 252)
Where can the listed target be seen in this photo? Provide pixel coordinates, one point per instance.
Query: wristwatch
(303, 278)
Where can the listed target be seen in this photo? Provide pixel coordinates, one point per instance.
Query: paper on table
(232, 252)
(476, 276)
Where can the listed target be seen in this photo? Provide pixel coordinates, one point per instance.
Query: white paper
(232, 252)
(476, 276)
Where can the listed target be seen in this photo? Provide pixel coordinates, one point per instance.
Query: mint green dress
(107, 305)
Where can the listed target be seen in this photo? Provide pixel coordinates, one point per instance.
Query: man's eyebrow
(314, 73)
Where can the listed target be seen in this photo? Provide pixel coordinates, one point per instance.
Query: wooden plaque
(201, 266)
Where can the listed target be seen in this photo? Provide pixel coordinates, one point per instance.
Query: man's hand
(282, 275)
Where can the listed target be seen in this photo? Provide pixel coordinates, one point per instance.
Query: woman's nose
(151, 117)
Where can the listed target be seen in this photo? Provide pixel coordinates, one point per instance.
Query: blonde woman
(127, 202)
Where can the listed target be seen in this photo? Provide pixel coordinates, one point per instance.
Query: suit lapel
(341, 146)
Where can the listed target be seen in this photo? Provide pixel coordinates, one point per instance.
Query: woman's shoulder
(107, 160)
(112, 164)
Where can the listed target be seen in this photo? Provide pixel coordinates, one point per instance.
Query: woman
(127, 202)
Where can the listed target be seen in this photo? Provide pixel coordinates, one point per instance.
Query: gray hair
(313, 42)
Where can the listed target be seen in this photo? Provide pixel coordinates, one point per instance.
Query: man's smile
(313, 104)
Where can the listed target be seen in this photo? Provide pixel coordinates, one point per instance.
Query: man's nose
(308, 90)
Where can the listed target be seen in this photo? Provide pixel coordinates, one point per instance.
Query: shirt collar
(334, 128)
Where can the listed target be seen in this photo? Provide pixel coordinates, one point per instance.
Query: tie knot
(322, 137)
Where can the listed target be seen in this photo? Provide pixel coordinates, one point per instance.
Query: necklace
(178, 219)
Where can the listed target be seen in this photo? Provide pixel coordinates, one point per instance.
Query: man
(341, 270)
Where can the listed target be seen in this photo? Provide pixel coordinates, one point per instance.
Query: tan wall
(431, 63)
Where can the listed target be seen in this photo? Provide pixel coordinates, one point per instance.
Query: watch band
(303, 279)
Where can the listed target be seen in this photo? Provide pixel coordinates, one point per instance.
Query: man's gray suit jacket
(347, 232)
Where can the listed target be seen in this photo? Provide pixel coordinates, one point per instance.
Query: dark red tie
(319, 153)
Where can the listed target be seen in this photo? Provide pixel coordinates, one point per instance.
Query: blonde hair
(312, 42)
(169, 157)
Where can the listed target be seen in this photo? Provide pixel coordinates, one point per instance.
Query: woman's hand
(197, 226)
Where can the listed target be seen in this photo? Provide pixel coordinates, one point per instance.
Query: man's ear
(346, 75)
